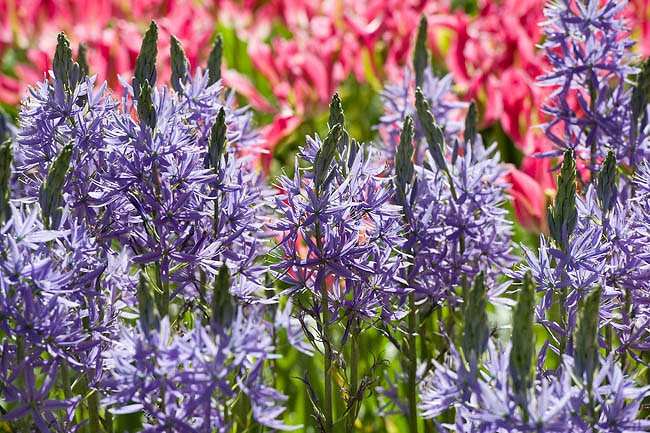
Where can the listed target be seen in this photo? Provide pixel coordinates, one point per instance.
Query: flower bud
(433, 133)
(404, 160)
(214, 60)
(217, 141)
(421, 54)
(562, 215)
(145, 64)
(606, 183)
(146, 109)
(179, 64)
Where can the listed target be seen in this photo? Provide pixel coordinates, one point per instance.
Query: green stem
(93, 412)
(354, 375)
(65, 378)
(329, 422)
(412, 366)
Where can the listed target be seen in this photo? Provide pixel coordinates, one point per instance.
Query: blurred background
(285, 58)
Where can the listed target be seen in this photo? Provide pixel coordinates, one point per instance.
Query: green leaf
(50, 196)
(149, 313)
(146, 109)
(421, 53)
(179, 64)
(586, 337)
(523, 341)
(145, 64)
(641, 97)
(214, 60)
(476, 331)
(6, 156)
(434, 135)
(222, 305)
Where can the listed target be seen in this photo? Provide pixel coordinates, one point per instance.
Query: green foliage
(586, 337)
(523, 340)
(6, 156)
(475, 324)
(50, 196)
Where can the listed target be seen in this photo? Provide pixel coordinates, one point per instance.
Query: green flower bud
(476, 331)
(606, 183)
(145, 64)
(214, 60)
(65, 69)
(326, 154)
(433, 133)
(179, 64)
(421, 53)
(471, 123)
(146, 109)
(562, 216)
(217, 141)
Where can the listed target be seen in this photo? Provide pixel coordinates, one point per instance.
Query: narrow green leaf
(476, 331)
(222, 304)
(641, 96)
(471, 123)
(586, 337)
(6, 156)
(50, 196)
(523, 341)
